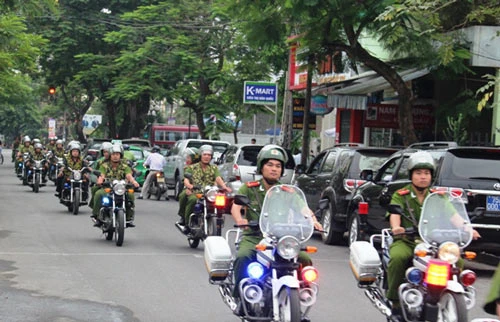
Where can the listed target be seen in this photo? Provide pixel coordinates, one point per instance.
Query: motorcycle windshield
(285, 213)
(445, 219)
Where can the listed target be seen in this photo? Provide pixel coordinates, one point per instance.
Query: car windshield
(248, 155)
(138, 154)
(368, 160)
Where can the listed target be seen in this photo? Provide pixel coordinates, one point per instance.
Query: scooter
(277, 287)
(434, 289)
(72, 195)
(157, 187)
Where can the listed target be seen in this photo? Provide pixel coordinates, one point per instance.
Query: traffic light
(52, 90)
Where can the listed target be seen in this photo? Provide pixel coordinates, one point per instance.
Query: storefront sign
(319, 105)
(298, 115)
(386, 116)
(260, 93)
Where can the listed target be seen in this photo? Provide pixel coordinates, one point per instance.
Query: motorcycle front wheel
(76, 201)
(36, 184)
(452, 308)
(120, 227)
(289, 305)
(211, 226)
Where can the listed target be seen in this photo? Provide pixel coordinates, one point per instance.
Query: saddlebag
(364, 262)
(217, 258)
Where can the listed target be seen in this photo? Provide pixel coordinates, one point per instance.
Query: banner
(386, 116)
(52, 128)
(91, 122)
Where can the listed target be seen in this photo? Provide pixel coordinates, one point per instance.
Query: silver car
(238, 165)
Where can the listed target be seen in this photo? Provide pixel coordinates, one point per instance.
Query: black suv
(333, 175)
(380, 185)
(474, 172)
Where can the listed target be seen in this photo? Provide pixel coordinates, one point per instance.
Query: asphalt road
(55, 266)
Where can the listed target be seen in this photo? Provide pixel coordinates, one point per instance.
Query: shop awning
(353, 96)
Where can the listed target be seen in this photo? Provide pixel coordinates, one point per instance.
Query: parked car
(140, 157)
(137, 142)
(333, 175)
(378, 189)
(238, 164)
(174, 169)
(473, 172)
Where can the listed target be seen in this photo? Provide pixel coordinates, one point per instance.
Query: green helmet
(421, 160)
(274, 152)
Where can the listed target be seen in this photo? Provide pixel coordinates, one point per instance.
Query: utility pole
(307, 109)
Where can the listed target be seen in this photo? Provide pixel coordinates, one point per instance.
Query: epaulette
(403, 191)
(253, 184)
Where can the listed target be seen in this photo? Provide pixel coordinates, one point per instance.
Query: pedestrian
(253, 141)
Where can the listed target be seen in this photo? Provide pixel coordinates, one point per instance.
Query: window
(329, 162)
(316, 163)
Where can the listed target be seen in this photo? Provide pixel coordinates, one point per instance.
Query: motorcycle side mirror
(241, 200)
(395, 209)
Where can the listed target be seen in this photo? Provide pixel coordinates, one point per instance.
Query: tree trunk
(111, 123)
(307, 109)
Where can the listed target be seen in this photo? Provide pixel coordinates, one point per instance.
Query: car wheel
(177, 188)
(329, 236)
(354, 234)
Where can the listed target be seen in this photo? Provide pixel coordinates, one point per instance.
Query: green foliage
(486, 91)
(456, 130)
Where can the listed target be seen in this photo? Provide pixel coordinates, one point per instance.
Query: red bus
(165, 135)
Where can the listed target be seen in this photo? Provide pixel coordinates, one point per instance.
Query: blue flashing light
(414, 276)
(67, 185)
(106, 201)
(198, 208)
(255, 270)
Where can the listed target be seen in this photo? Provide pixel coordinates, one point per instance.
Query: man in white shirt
(155, 162)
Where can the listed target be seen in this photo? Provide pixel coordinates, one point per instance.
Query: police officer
(191, 156)
(74, 161)
(26, 147)
(410, 198)
(115, 169)
(38, 155)
(203, 174)
(271, 162)
(105, 147)
(51, 146)
(492, 305)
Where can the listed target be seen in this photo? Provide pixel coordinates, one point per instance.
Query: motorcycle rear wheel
(158, 192)
(289, 306)
(452, 308)
(120, 227)
(76, 201)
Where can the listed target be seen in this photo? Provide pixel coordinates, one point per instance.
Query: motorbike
(34, 175)
(55, 168)
(207, 218)
(72, 192)
(277, 289)
(114, 208)
(435, 289)
(157, 187)
(21, 167)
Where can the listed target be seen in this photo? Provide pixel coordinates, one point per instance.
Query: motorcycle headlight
(211, 193)
(119, 189)
(255, 270)
(77, 175)
(288, 247)
(449, 252)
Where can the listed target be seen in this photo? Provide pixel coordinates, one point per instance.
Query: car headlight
(211, 193)
(119, 189)
(449, 252)
(288, 247)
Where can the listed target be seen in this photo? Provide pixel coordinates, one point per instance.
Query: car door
(170, 166)
(227, 160)
(317, 177)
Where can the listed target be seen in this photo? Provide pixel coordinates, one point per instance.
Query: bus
(165, 135)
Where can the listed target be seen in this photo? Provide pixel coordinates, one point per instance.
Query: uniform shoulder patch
(403, 191)
(253, 184)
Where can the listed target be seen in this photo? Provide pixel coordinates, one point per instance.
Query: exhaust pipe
(377, 300)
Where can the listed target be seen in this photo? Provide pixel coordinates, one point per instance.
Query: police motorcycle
(22, 171)
(114, 209)
(72, 192)
(207, 218)
(434, 289)
(34, 175)
(55, 167)
(158, 186)
(275, 289)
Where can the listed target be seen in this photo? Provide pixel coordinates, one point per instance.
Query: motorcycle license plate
(162, 180)
(492, 203)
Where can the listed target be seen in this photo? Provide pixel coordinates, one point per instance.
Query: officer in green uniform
(271, 162)
(38, 155)
(191, 156)
(492, 305)
(105, 148)
(51, 146)
(25, 148)
(15, 148)
(74, 161)
(115, 169)
(203, 174)
(410, 198)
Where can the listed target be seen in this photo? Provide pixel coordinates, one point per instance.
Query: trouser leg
(401, 253)
(191, 201)
(147, 183)
(130, 214)
(246, 255)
